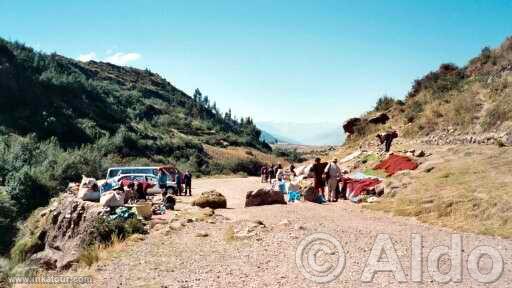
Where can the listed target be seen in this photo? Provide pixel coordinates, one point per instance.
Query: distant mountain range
(276, 138)
(302, 133)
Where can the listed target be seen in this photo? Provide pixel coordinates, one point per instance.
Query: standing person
(188, 183)
(179, 182)
(140, 192)
(387, 138)
(271, 173)
(279, 172)
(263, 174)
(276, 168)
(319, 183)
(162, 181)
(333, 173)
(292, 170)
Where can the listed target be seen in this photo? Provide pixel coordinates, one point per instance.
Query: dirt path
(268, 259)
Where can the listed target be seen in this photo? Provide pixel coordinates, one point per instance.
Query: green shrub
(485, 55)
(27, 191)
(250, 166)
(413, 110)
(384, 103)
(89, 255)
(104, 229)
(292, 155)
(499, 112)
(77, 119)
(8, 220)
(134, 226)
(24, 248)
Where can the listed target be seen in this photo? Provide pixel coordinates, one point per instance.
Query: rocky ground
(256, 247)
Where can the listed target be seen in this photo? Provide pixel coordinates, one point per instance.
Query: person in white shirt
(333, 173)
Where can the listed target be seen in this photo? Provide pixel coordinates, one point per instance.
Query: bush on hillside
(105, 229)
(249, 166)
(412, 110)
(65, 118)
(499, 112)
(447, 77)
(384, 103)
(292, 155)
(27, 191)
(7, 221)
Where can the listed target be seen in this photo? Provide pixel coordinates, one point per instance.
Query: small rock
(299, 227)
(259, 222)
(403, 173)
(176, 225)
(395, 186)
(158, 227)
(428, 169)
(243, 235)
(285, 222)
(201, 234)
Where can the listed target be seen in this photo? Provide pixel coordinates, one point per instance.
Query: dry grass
(199, 215)
(221, 154)
(95, 253)
(472, 192)
(229, 234)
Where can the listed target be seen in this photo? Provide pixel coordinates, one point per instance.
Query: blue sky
(280, 61)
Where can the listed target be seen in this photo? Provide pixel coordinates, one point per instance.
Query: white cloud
(87, 57)
(121, 58)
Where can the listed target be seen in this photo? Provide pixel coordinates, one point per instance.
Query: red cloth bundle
(357, 187)
(395, 163)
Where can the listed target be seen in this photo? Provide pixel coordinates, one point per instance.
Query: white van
(116, 171)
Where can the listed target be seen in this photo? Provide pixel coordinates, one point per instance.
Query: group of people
(274, 172)
(326, 175)
(183, 181)
(133, 190)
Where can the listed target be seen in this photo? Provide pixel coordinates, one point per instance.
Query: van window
(113, 172)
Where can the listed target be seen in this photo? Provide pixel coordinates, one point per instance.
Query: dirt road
(186, 258)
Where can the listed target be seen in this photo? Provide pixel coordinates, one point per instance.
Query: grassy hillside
(60, 118)
(476, 98)
(469, 188)
(80, 103)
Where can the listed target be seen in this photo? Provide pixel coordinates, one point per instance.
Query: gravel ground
(186, 258)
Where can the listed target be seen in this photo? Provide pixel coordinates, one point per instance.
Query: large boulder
(61, 231)
(262, 197)
(382, 118)
(350, 124)
(211, 199)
